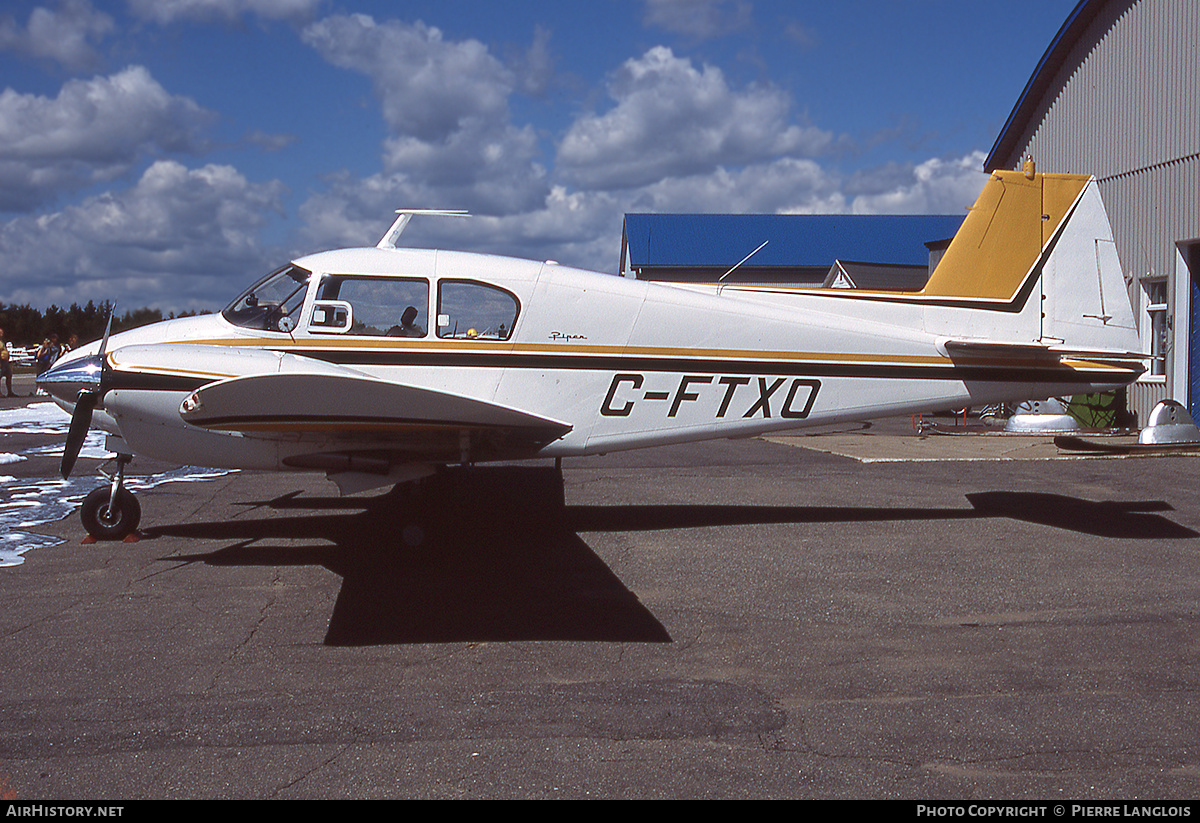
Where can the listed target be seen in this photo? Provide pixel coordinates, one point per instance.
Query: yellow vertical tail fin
(1013, 221)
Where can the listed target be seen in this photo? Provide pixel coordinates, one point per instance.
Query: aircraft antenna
(740, 262)
(388, 241)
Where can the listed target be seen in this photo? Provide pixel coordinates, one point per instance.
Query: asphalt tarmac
(736, 619)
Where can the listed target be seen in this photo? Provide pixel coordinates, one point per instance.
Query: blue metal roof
(794, 239)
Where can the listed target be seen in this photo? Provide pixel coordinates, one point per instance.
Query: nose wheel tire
(116, 523)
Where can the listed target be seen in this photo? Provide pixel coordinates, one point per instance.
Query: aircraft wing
(353, 414)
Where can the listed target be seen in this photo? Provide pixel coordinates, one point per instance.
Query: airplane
(380, 365)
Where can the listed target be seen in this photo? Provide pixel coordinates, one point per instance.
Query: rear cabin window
(470, 310)
(381, 306)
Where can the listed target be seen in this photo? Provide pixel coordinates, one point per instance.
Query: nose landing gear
(112, 512)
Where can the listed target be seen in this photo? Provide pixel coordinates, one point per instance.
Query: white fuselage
(624, 363)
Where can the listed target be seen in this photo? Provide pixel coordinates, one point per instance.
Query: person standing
(49, 351)
(5, 365)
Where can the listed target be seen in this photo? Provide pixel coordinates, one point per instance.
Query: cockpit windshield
(273, 303)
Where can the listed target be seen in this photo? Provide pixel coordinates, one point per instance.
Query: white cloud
(64, 35)
(536, 67)
(702, 19)
(169, 11)
(428, 87)
(179, 239)
(446, 105)
(786, 185)
(936, 186)
(801, 186)
(672, 119)
(575, 228)
(95, 130)
(269, 141)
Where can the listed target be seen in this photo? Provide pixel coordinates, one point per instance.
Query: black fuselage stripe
(154, 381)
(1011, 373)
(1048, 373)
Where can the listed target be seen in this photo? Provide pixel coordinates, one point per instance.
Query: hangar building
(1117, 95)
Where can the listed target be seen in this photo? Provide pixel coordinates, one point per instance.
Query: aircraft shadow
(1130, 520)
(496, 562)
(500, 557)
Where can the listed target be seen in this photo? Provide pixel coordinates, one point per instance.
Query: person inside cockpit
(408, 326)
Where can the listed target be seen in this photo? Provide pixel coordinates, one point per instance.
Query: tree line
(27, 326)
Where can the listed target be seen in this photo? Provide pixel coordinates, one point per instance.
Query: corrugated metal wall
(1125, 106)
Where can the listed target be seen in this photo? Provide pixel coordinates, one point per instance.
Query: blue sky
(167, 152)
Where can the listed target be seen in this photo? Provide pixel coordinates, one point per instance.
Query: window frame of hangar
(320, 296)
(1155, 299)
(491, 287)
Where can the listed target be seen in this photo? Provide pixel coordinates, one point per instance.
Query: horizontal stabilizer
(987, 348)
(1040, 351)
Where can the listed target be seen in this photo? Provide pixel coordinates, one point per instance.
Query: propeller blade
(91, 368)
(81, 419)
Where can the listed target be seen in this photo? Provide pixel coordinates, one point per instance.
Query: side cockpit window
(471, 310)
(371, 306)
